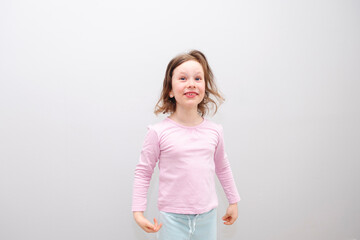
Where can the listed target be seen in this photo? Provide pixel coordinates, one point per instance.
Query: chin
(190, 105)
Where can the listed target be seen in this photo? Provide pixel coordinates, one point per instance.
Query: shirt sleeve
(223, 170)
(144, 169)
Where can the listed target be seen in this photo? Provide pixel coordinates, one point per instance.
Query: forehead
(191, 67)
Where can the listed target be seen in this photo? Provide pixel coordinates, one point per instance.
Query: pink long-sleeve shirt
(188, 159)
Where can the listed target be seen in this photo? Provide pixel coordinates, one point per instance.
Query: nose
(191, 83)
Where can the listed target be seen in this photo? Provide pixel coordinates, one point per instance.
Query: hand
(145, 224)
(231, 214)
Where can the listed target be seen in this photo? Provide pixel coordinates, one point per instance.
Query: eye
(182, 78)
(198, 79)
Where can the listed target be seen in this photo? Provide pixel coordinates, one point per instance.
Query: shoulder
(217, 127)
(214, 125)
(158, 127)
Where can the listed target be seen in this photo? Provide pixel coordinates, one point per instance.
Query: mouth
(191, 94)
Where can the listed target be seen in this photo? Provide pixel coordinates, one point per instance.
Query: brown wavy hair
(168, 105)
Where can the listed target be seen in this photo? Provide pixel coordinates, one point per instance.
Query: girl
(189, 149)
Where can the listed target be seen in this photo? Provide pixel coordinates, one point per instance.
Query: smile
(191, 94)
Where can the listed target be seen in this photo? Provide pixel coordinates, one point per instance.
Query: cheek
(203, 87)
(177, 89)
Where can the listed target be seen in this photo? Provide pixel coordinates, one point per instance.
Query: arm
(143, 172)
(225, 176)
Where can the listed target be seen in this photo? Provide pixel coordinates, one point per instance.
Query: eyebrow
(186, 73)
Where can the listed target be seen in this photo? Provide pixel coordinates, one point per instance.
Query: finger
(156, 224)
(150, 226)
(148, 229)
(226, 217)
(230, 221)
(158, 227)
(227, 220)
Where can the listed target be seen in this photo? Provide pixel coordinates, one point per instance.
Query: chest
(188, 142)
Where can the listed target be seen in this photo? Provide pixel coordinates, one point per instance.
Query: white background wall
(79, 81)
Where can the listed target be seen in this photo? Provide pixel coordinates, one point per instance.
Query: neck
(188, 116)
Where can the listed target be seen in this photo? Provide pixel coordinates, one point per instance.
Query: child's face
(188, 77)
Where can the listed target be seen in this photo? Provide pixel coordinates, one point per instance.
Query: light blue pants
(188, 226)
